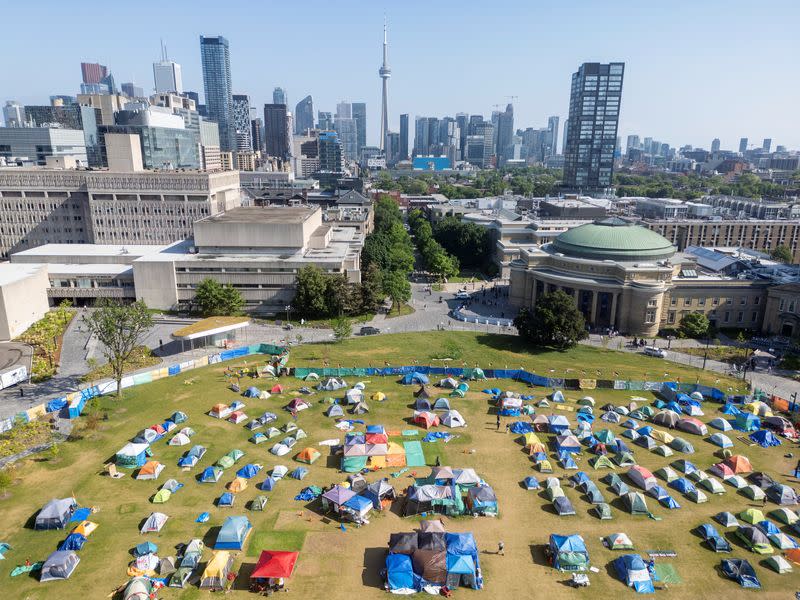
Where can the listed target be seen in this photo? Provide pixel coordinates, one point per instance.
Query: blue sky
(694, 70)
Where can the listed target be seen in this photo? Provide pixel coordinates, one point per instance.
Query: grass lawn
(729, 354)
(405, 309)
(338, 564)
(141, 358)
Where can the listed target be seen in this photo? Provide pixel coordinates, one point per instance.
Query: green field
(342, 564)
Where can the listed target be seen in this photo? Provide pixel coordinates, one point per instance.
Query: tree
(371, 290)
(397, 288)
(215, 299)
(120, 329)
(694, 325)
(309, 299)
(337, 295)
(782, 254)
(342, 328)
(442, 264)
(555, 321)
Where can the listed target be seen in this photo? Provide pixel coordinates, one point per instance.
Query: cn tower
(385, 72)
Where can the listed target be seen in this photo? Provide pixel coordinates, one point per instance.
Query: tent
(453, 418)
(557, 396)
(624, 459)
(567, 443)
(226, 500)
(259, 503)
(216, 572)
(296, 405)
(721, 424)
(757, 408)
(557, 424)
(425, 419)
(782, 541)
(248, 471)
(233, 534)
(721, 440)
(785, 515)
(741, 571)
(448, 382)
(211, 475)
(400, 576)
(563, 506)
(755, 539)
(751, 515)
(276, 389)
(461, 571)
(334, 410)
(612, 417)
(412, 378)
(530, 483)
(275, 564)
(441, 404)
(738, 464)
(645, 442)
(712, 485)
(681, 484)
(258, 438)
(602, 462)
(780, 425)
(782, 494)
(161, 496)
(753, 492)
(239, 484)
(331, 384)
(131, 455)
(663, 450)
(154, 523)
(618, 541)
(360, 409)
(765, 438)
(55, 514)
(661, 436)
(569, 552)
(667, 474)
(692, 425)
(726, 519)
(666, 418)
(59, 565)
(746, 421)
(481, 499)
(632, 570)
(641, 477)
(252, 392)
(354, 396)
(180, 439)
(150, 470)
(603, 511)
(681, 445)
(635, 503)
(431, 565)
(778, 564)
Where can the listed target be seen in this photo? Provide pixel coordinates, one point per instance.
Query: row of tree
(436, 258)
(322, 295)
(689, 187)
(469, 243)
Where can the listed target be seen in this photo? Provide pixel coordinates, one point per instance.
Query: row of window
(726, 317)
(714, 301)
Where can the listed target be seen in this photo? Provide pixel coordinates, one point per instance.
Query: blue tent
(359, 503)
(411, 378)
(299, 473)
(630, 424)
(741, 572)
(765, 438)
(746, 421)
(632, 570)
(557, 396)
(685, 399)
(252, 392)
(580, 477)
(569, 552)
(232, 534)
(210, 475)
(669, 502)
(74, 541)
(657, 492)
(268, 484)
(730, 409)
(567, 462)
(400, 573)
(683, 485)
(145, 548)
(460, 543)
(557, 423)
(621, 446)
(674, 406)
(721, 440)
(567, 443)
(531, 483)
(644, 430)
(768, 527)
(461, 570)
(226, 500)
(248, 471)
(521, 427)
(585, 417)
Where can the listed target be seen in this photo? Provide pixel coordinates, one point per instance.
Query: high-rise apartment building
(304, 115)
(131, 90)
(552, 129)
(93, 72)
(593, 120)
(216, 60)
(276, 136)
(279, 96)
(330, 153)
(256, 127)
(167, 74)
(767, 144)
(403, 150)
(241, 122)
(479, 150)
(359, 111)
(13, 114)
(715, 145)
(347, 130)
(324, 121)
(633, 143)
(505, 132)
(743, 145)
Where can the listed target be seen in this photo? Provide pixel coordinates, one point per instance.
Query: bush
(694, 325)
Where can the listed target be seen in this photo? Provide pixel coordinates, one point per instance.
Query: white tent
(354, 396)
(452, 418)
(180, 439)
(154, 522)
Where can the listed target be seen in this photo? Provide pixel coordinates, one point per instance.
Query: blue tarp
(358, 503)
(632, 570)
(567, 550)
(80, 514)
(400, 573)
(437, 435)
(74, 541)
(521, 427)
(460, 543)
(55, 405)
(307, 494)
(765, 438)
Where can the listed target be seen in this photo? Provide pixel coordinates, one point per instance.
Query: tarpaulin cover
(403, 543)
(400, 572)
(431, 565)
(460, 543)
(414, 454)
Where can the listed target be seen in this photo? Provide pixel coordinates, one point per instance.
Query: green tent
(161, 496)
(258, 503)
(778, 564)
(635, 503)
(666, 473)
(603, 511)
(226, 462)
(602, 462)
(663, 450)
(618, 541)
(624, 459)
(751, 515)
(784, 515)
(235, 455)
(605, 436)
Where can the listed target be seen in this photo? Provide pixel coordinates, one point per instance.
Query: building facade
(276, 134)
(359, 111)
(216, 60)
(304, 116)
(241, 122)
(591, 134)
(36, 144)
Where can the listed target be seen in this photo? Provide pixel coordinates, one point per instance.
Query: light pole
(288, 310)
(705, 352)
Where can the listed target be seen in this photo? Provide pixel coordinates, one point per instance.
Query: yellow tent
(237, 485)
(529, 439)
(758, 408)
(217, 570)
(85, 528)
(661, 436)
(379, 396)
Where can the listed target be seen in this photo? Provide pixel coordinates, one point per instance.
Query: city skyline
(665, 96)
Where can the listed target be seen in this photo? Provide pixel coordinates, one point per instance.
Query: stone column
(533, 292)
(593, 316)
(614, 308)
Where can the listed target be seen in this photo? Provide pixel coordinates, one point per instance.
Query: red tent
(426, 419)
(738, 463)
(276, 389)
(274, 564)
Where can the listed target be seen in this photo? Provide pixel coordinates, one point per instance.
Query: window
(673, 301)
(687, 301)
(727, 316)
(754, 316)
(652, 303)
(715, 301)
(701, 302)
(729, 301)
(743, 301)
(757, 300)
(782, 304)
(671, 317)
(791, 306)
(650, 316)
(740, 317)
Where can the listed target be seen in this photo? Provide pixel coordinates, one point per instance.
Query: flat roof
(210, 326)
(12, 273)
(269, 215)
(92, 250)
(112, 269)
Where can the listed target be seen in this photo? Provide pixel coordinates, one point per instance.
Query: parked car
(657, 352)
(369, 330)
(462, 295)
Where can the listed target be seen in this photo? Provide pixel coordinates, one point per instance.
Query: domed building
(619, 274)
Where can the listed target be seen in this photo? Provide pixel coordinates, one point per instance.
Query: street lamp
(288, 310)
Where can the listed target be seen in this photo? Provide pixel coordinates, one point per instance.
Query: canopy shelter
(213, 331)
(275, 564)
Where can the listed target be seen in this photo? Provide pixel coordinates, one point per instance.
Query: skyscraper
(633, 143)
(324, 121)
(93, 72)
(505, 131)
(347, 130)
(241, 122)
(715, 144)
(384, 72)
(216, 59)
(593, 120)
(743, 145)
(403, 150)
(279, 96)
(167, 74)
(131, 90)
(552, 128)
(256, 126)
(13, 114)
(463, 130)
(304, 115)
(276, 137)
(767, 144)
(330, 153)
(420, 136)
(360, 117)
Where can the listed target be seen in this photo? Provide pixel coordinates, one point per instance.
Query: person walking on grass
(501, 548)
(498, 428)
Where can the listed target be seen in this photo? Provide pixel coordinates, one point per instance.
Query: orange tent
(219, 409)
(150, 470)
(739, 464)
(237, 485)
(793, 555)
(85, 528)
(426, 419)
(307, 455)
(536, 448)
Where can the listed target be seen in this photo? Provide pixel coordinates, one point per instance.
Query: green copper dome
(613, 239)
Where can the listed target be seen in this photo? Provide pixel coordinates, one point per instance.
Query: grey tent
(681, 445)
(258, 503)
(59, 565)
(422, 392)
(645, 442)
(441, 404)
(666, 418)
(360, 408)
(331, 384)
(635, 503)
(422, 404)
(166, 566)
(726, 519)
(55, 514)
(403, 543)
(620, 488)
(449, 383)
(781, 494)
(334, 410)
(563, 506)
(357, 482)
(603, 511)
